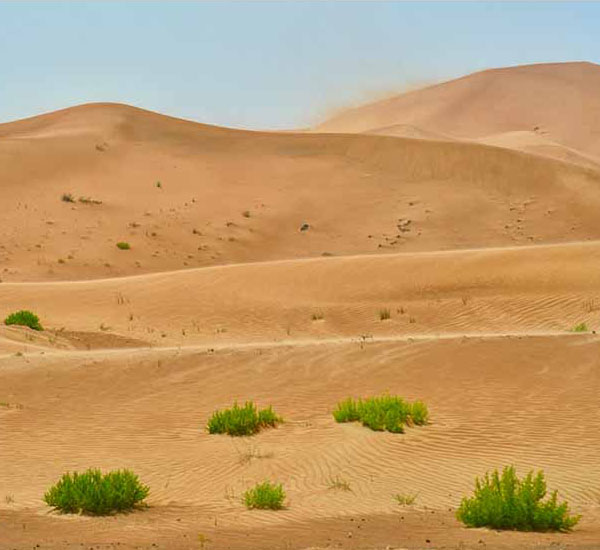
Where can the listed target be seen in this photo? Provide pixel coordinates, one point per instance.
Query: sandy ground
(484, 256)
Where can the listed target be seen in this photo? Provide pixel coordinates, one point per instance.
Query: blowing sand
(485, 256)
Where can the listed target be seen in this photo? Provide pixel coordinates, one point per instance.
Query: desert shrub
(339, 483)
(387, 412)
(265, 496)
(24, 318)
(96, 494)
(581, 327)
(384, 314)
(123, 245)
(89, 200)
(67, 197)
(503, 501)
(407, 499)
(347, 411)
(419, 413)
(242, 420)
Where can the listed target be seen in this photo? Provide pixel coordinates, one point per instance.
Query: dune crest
(560, 100)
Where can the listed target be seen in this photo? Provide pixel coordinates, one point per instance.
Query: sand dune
(259, 268)
(558, 101)
(531, 289)
(232, 196)
(489, 347)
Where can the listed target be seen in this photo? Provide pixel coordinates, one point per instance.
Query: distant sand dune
(559, 99)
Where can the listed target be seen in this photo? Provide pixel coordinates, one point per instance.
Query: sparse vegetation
(246, 213)
(89, 200)
(251, 453)
(159, 184)
(123, 245)
(581, 327)
(24, 318)
(242, 420)
(317, 316)
(384, 314)
(265, 496)
(95, 493)
(405, 499)
(67, 197)
(385, 413)
(340, 484)
(503, 501)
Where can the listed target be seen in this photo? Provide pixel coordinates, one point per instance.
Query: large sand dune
(486, 257)
(558, 102)
(233, 196)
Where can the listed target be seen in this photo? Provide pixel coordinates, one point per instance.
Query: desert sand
(259, 264)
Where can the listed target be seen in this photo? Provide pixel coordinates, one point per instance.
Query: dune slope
(186, 195)
(556, 101)
(418, 253)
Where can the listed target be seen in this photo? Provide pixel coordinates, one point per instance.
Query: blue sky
(267, 64)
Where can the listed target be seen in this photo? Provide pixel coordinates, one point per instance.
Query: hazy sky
(267, 64)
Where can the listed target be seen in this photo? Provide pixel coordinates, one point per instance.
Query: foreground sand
(489, 350)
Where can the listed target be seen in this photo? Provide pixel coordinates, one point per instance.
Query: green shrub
(265, 496)
(387, 412)
(419, 413)
(581, 327)
(246, 420)
(507, 502)
(123, 245)
(94, 493)
(24, 318)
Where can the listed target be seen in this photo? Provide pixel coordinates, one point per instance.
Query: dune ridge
(556, 101)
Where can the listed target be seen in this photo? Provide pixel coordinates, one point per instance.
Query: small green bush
(507, 502)
(387, 412)
(24, 318)
(123, 245)
(581, 327)
(96, 494)
(265, 496)
(246, 420)
(419, 413)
